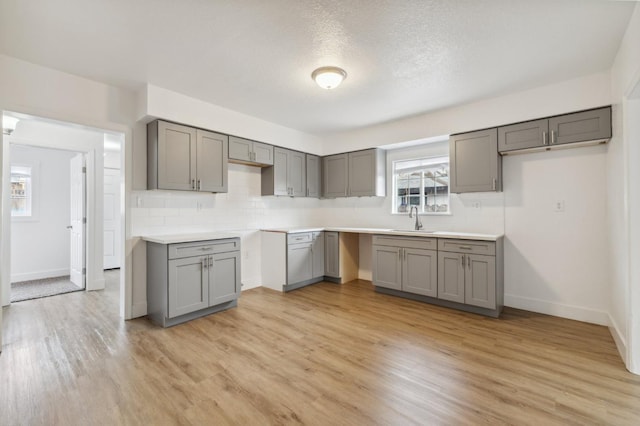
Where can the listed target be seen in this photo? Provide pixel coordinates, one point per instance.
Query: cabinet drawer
(467, 246)
(407, 242)
(177, 251)
(302, 237)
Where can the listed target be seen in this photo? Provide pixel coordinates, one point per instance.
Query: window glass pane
(422, 182)
(21, 191)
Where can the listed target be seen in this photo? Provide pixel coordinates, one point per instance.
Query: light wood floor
(325, 354)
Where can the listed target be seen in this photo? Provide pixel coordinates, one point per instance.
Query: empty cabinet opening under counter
(190, 276)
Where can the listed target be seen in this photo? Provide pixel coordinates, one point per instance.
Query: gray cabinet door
(176, 156)
(297, 176)
(581, 126)
(314, 173)
(318, 254)
(262, 153)
(386, 267)
(451, 277)
(280, 171)
(212, 161)
(224, 277)
(299, 262)
(332, 254)
(335, 176)
(420, 271)
(362, 173)
(480, 281)
(240, 149)
(188, 286)
(523, 135)
(474, 162)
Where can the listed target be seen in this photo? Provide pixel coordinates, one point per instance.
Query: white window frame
(419, 164)
(33, 191)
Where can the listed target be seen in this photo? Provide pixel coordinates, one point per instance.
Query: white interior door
(78, 220)
(111, 218)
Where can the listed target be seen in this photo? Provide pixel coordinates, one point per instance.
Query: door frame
(95, 275)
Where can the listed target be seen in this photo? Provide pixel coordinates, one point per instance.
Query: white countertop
(188, 238)
(386, 231)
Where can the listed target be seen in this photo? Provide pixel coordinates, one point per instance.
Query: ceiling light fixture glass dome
(329, 77)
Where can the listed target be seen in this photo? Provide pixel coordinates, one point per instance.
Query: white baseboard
(249, 285)
(139, 310)
(573, 312)
(96, 285)
(39, 275)
(619, 338)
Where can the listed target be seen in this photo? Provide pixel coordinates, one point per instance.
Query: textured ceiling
(255, 56)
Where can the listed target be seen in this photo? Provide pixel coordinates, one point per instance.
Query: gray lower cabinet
(314, 176)
(545, 133)
(468, 272)
(355, 174)
(318, 254)
(475, 165)
(189, 280)
(186, 159)
(305, 259)
(246, 151)
(288, 174)
(332, 254)
(461, 274)
(406, 264)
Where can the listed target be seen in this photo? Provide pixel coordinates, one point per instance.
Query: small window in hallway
(21, 191)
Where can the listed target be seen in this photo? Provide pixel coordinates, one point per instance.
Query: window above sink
(421, 182)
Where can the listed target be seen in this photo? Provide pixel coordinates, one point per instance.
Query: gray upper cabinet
(314, 176)
(367, 173)
(288, 174)
(523, 135)
(580, 126)
(335, 175)
(246, 151)
(584, 126)
(474, 162)
(355, 174)
(211, 162)
(186, 159)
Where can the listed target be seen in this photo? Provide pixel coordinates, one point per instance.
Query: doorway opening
(48, 212)
(67, 179)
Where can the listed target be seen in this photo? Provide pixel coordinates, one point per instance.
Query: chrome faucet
(418, 225)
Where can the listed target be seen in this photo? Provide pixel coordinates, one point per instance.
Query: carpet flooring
(27, 290)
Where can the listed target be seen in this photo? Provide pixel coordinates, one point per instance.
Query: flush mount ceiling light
(9, 124)
(329, 77)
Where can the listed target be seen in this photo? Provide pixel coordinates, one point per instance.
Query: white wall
(242, 210)
(556, 261)
(40, 91)
(623, 174)
(40, 245)
(571, 95)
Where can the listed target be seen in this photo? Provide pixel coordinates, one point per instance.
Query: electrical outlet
(558, 206)
(476, 204)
